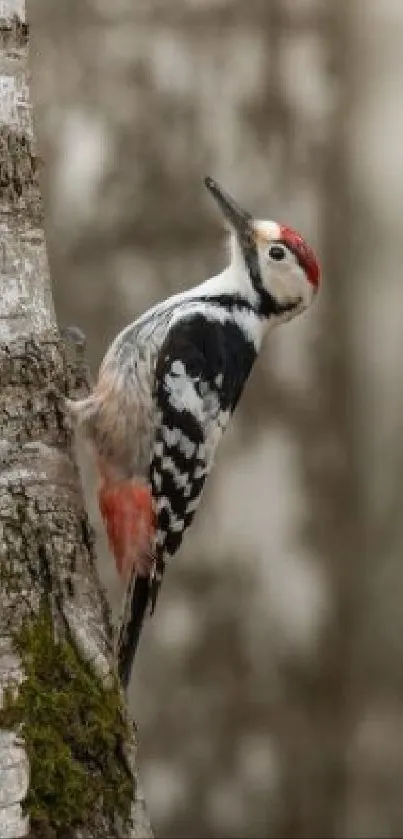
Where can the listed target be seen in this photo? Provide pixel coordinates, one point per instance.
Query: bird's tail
(140, 600)
(136, 604)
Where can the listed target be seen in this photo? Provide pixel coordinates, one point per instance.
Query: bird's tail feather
(136, 605)
(140, 599)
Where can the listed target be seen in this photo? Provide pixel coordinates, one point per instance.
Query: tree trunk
(67, 751)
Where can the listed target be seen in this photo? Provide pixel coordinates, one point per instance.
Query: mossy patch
(73, 730)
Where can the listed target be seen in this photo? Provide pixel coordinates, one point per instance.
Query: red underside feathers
(127, 510)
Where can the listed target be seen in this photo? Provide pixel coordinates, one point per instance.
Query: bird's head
(281, 266)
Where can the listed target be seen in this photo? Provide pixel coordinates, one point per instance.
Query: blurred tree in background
(268, 687)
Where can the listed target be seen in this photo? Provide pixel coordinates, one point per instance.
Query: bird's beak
(239, 219)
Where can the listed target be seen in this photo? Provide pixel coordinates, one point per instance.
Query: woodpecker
(165, 393)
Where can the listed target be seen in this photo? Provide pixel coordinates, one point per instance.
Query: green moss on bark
(73, 729)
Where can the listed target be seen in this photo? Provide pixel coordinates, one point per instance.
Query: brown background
(269, 687)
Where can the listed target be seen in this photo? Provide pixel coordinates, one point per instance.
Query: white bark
(37, 471)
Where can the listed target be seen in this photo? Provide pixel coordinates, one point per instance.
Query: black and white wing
(202, 368)
(200, 373)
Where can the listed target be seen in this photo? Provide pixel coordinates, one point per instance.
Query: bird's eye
(277, 252)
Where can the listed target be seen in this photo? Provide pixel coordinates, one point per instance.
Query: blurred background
(268, 688)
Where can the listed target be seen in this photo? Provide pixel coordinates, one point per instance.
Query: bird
(167, 389)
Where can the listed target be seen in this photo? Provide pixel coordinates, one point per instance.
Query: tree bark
(67, 750)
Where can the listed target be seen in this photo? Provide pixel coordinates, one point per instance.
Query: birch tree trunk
(67, 751)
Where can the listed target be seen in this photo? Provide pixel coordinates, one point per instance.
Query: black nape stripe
(230, 302)
(268, 305)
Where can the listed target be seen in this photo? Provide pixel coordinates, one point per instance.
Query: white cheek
(284, 280)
